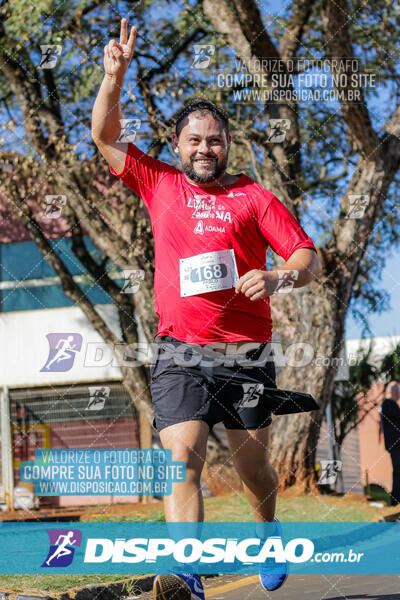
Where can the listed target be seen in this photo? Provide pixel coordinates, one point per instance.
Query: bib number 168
(207, 272)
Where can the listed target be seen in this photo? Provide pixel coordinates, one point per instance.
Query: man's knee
(193, 460)
(257, 471)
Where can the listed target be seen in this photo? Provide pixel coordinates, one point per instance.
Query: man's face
(203, 148)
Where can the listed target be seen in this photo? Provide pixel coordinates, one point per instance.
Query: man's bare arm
(257, 284)
(106, 113)
(306, 262)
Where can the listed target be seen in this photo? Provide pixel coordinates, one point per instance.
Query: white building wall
(24, 348)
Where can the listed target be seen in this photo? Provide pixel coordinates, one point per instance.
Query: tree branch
(70, 288)
(241, 23)
(28, 93)
(294, 28)
(347, 427)
(393, 127)
(339, 50)
(74, 25)
(178, 49)
(123, 301)
(324, 179)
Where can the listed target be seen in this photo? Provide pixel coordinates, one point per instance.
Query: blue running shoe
(273, 575)
(177, 586)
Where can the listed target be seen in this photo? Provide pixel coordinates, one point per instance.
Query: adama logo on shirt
(201, 229)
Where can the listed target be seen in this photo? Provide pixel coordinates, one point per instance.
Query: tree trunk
(295, 437)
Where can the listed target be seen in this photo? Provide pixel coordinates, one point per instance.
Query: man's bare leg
(260, 480)
(249, 451)
(188, 443)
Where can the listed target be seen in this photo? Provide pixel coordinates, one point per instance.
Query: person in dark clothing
(390, 424)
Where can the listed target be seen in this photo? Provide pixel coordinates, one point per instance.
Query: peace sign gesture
(118, 56)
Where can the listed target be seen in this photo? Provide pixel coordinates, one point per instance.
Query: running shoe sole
(170, 587)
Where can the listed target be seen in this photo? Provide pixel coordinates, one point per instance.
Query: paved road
(304, 587)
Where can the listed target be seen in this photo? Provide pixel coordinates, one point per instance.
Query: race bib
(208, 272)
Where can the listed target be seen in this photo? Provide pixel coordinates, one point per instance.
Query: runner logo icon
(202, 55)
(251, 395)
(63, 348)
(62, 542)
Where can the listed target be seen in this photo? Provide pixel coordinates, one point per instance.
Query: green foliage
(348, 408)
(390, 367)
(52, 585)
(26, 21)
(346, 395)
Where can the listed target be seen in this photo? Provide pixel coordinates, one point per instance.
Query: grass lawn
(52, 585)
(233, 507)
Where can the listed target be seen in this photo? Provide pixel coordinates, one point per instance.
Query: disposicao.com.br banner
(309, 548)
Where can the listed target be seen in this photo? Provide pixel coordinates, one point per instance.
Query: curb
(388, 518)
(111, 591)
(106, 591)
(391, 517)
(9, 595)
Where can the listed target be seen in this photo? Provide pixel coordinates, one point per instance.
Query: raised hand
(117, 56)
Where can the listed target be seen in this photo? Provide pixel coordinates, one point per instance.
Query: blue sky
(388, 323)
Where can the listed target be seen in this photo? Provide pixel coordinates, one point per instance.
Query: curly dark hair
(203, 106)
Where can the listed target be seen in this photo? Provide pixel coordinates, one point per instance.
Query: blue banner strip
(137, 548)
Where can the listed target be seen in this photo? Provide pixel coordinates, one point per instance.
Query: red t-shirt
(188, 220)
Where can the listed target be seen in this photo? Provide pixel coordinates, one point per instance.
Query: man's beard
(217, 170)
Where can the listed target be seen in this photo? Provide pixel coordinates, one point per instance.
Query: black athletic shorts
(187, 384)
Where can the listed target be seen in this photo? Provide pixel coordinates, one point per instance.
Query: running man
(62, 346)
(62, 542)
(211, 232)
(99, 397)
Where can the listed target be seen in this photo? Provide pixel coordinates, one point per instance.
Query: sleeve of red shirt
(142, 173)
(280, 228)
